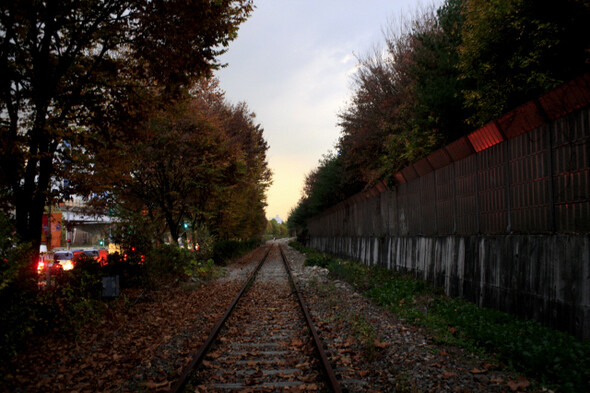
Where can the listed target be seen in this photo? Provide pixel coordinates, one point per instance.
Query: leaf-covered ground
(145, 339)
(148, 337)
(143, 342)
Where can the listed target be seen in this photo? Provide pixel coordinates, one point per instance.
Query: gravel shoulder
(373, 350)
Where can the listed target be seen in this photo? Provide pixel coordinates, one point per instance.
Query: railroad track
(265, 342)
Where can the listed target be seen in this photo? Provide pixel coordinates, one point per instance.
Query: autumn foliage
(76, 76)
(114, 102)
(442, 74)
(197, 165)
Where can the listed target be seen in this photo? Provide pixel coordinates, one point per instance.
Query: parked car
(64, 258)
(46, 264)
(91, 253)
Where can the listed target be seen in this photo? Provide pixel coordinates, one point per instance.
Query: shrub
(65, 302)
(129, 268)
(18, 287)
(317, 259)
(19, 318)
(226, 250)
(204, 270)
(168, 261)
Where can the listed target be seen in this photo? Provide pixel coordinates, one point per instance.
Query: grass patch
(364, 332)
(555, 358)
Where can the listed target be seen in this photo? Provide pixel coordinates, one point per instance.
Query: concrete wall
(543, 277)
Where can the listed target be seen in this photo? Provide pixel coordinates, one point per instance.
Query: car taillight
(40, 266)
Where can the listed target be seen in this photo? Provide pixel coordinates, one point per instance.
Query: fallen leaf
(478, 371)
(380, 344)
(519, 385)
(156, 385)
(296, 342)
(306, 378)
(350, 341)
(448, 375)
(487, 365)
(207, 363)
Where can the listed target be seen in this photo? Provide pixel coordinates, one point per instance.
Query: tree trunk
(172, 226)
(31, 195)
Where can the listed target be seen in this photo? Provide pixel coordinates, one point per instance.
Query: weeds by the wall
(552, 357)
(364, 332)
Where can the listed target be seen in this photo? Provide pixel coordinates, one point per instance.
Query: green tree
(515, 50)
(273, 228)
(324, 186)
(438, 87)
(441, 75)
(71, 72)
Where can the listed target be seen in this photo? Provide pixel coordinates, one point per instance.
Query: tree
(515, 50)
(76, 72)
(386, 125)
(201, 163)
(438, 88)
(273, 228)
(240, 209)
(178, 156)
(407, 102)
(442, 74)
(324, 186)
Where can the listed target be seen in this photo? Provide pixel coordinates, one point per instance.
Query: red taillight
(40, 266)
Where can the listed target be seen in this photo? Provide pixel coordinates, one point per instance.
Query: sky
(293, 63)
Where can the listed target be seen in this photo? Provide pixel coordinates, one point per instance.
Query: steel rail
(202, 351)
(316, 339)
